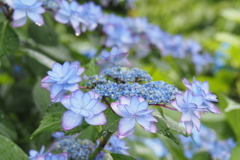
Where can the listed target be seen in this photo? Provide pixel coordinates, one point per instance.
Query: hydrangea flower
(35, 155)
(113, 58)
(91, 13)
(70, 13)
(190, 107)
(26, 8)
(198, 88)
(134, 109)
(117, 145)
(82, 105)
(61, 79)
(118, 35)
(51, 156)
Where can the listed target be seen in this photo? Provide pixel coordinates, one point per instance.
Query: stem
(84, 87)
(162, 105)
(101, 146)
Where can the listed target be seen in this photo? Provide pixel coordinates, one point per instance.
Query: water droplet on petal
(77, 33)
(38, 23)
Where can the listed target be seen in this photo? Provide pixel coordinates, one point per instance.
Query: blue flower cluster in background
(207, 140)
(125, 33)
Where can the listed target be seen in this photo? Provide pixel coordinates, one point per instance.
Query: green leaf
(231, 14)
(175, 150)
(107, 157)
(41, 96)
(138, 149)
(45, 34)
(7, 128)
(232, 112)
(235, 153)
(52, 119)
(112, 123)
(121, 157)
(91, 68)
(200, 155)
(9, 41)
(172, 124)
(9, 150)
(163, 129)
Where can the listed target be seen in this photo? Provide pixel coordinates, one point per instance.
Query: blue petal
(65, 68)
(142, 106)
(61, 18)
(114, 106)
(71, 120)
(85, 113)
(35, 17)
(76, 107)
(53, 74)
(91, 104)
(19, 22)
(70, 87)
(123, 109)
(74, 79)
(129, 133)
(57, 68)
(134, 103)
(143, 122)
(28, 2)
(189, 127)
(198, 100)
(186, 116)
(78, 95)
(99, 108)
(125, 125)
(18, 14)
(55, 89)
(86, 99)
(66, 102)
(98, 119)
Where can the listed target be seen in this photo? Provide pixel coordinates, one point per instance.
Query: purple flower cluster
(196, 100)
(61, 79)
(65, 78)
(82, 105)
(133, 110)
(23, 9)
(124, 33)
(87, 14)
(113, 58)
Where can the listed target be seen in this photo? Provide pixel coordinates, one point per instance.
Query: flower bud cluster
(95, 79)
(76, 149)
(126, 85)
(128, 75)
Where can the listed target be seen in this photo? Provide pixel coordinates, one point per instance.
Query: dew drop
(77, 33)
(37, 23)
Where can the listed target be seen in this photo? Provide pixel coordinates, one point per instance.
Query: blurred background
(214, 24)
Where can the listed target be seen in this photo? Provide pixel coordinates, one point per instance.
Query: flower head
(202, 89)
(34, 155)
(51, 156)
(113, 58)
(82, 105)
(22, 8)
(69, 12)
(117, 145)
(134, 109)
(61, 79)
(190, 107)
